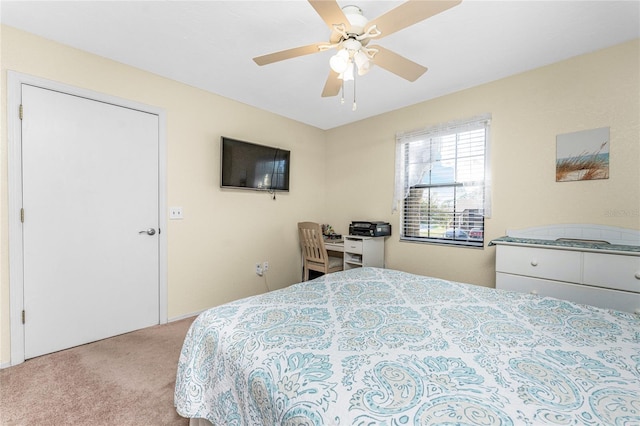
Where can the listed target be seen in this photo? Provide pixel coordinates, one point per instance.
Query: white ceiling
(210, 45)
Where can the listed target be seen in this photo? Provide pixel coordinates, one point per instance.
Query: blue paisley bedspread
(381, 347)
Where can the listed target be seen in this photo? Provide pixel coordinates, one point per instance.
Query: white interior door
(90, 193)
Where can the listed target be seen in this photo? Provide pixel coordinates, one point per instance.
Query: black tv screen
(248, 165)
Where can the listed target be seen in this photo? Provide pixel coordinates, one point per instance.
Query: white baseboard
(5, 365)
(181, 317)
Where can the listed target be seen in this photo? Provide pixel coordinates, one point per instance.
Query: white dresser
(590, 264)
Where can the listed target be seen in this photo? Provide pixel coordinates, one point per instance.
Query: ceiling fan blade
(397, 64)
(288, 54)
(332, 86)
(330, 12)
(409, 13)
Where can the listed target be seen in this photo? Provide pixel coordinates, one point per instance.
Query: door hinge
(23, 316)
(22, 215)
(21, 112)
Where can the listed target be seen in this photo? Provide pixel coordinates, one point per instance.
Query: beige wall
(212, 252)
(528, 110)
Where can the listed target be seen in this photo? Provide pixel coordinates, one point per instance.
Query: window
(442, 183)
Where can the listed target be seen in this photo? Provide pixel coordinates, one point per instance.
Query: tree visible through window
(443, 183)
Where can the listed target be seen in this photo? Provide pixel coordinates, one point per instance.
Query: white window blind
(442, 182)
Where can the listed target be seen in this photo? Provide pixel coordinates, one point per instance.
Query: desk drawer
(561, 265)
(353, 246)
(612, 271)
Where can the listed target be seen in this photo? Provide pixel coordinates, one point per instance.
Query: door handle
(149, 231)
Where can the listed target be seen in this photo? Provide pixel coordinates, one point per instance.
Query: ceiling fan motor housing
(352, 45)
(356, 19)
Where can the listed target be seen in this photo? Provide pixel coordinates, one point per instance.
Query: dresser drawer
(561, 265)
(353, 246)
(600, 297)
(612, 271)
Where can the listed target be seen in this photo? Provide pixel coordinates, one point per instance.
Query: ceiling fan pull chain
(342, 97)
(354, 92)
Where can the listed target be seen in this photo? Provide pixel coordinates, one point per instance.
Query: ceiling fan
(351, 33)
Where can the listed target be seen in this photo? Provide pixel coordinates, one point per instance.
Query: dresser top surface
(573, 236)
(569, 244)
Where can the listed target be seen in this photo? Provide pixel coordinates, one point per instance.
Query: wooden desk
(358, 250)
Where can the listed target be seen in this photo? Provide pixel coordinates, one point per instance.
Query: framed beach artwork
(582, 155)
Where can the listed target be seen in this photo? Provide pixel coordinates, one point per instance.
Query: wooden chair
(314, 253)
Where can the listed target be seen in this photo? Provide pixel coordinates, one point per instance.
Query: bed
(373, 346)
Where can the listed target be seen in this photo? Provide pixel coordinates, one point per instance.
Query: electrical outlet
(265, 266)
(175, 213)
(259, 269)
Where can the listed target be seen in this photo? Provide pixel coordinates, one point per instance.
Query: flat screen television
(247, 165)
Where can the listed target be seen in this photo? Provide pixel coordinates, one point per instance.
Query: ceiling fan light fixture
(340, 61)
(363, 71)
(347, 75)
(362, 62)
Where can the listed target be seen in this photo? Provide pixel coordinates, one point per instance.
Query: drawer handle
(637, 275)
(534, 262)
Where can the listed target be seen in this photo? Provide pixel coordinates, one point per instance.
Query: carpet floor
(124, 380)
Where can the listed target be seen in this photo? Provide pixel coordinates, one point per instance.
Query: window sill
(443, 242)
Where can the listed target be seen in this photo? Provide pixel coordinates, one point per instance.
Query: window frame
(452, 226)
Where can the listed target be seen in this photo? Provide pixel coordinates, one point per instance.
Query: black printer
(370, 229)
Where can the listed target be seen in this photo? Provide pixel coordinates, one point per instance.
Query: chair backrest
(312, 242)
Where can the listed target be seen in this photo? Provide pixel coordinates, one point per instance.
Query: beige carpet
(124, 380)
